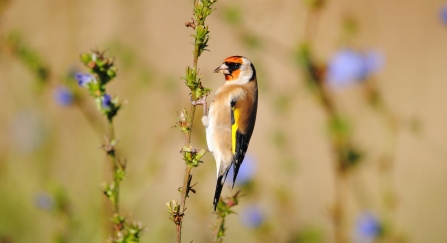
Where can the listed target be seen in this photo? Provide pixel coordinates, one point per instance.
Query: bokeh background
(51, 164)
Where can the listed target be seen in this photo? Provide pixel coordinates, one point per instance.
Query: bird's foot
(202, 101)
(199, 101)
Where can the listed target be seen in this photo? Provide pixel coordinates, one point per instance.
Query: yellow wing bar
(234, 128)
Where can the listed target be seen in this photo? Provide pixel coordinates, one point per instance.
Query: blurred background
(364, 78)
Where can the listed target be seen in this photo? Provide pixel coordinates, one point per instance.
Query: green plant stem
(339, 218)
(185, 185)
(185, 188)
(340, 171)
(387, 163)
(111, 131)
(115, 170)
(191, 123)
(219, 226)
(187, 177)
(339, 212)
(196, 58)
(178, 229)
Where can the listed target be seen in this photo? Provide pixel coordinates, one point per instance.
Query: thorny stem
(220, 224)
(115, 170)
(185, 190)
(178, 229)
(185, 187)
(191, 123)
(197, 91)
(196, 58)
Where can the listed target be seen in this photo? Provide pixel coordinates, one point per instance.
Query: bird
(231, 118)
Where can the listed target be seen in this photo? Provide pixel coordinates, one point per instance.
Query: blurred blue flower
(252, 216)
(246, 172)
(106, 101)
(63, 96)
(44, 201)
(374, 61)
(443, 14)
(346, 67)
(84, 79)
(349, 66)
(368, 228)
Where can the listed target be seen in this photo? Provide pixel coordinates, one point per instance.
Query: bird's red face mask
(230, 68)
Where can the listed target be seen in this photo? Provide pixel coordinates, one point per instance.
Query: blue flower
(367, 228)
(63, 96)
(84, 79)
(106, 101)
(374, 61)
(246, 172)
(252, 216)
(348, 67)
(443, 14)
(44, 201)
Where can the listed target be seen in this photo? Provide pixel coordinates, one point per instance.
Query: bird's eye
(233, 65)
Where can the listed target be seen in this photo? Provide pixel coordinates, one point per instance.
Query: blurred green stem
(387, 161)
(104, 70)
(339, 143)
(111, 130)
(339, 212)
(340, 170)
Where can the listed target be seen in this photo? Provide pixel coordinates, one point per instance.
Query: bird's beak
(222, 69)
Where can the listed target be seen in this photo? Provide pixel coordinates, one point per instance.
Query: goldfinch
(231, 118)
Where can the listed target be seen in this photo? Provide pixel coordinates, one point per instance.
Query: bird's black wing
(242, 119)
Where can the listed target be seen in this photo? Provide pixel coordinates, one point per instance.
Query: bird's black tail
(219, 186)
(235, 172)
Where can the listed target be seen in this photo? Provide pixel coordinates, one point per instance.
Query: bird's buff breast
(218, 132)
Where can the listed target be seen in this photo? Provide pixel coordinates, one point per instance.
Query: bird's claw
(199, 101)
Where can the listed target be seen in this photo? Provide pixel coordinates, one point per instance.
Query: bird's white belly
(210, 139)
(210, 130)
